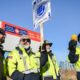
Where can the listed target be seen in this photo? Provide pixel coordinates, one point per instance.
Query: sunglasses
(26, 40)
(2, 33)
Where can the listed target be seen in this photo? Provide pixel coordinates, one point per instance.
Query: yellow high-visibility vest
(53, 68)
(22, 62)
(77, 64)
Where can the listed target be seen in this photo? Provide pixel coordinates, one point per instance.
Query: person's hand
(72, 45)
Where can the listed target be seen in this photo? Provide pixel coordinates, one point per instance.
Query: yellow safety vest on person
(23, 62)
(77, 64)
(53, 69)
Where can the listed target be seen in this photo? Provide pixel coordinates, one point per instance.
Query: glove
(17, 75)
(72, 46)
(72, 50)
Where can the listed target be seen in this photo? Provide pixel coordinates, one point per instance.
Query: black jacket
(73, 57)
(1, 63)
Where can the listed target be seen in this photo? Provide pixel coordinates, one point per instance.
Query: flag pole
(41, 33)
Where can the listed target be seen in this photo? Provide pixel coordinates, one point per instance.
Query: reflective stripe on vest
(23, 58)
(24, 61)
(31, 71)
(26, 65)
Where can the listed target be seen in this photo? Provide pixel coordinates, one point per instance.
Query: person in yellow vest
(2, 60)
(74, 53)
(50, 70)
(23, 64)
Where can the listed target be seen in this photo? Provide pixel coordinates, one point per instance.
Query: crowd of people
(24, 64)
